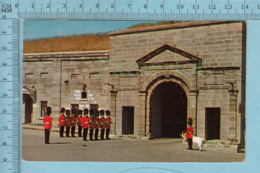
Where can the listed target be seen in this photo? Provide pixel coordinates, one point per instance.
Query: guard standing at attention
(102, 124)
(189, 133)
(85, 124)
(73, 124)
(68, 123)
(108, 124)
(92, 124)
(97, 125)
(62, 122)
(47, 125)
(79, 122)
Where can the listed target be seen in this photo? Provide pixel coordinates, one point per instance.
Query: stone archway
(166, 107)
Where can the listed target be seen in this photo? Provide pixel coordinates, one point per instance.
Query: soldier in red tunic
(92, 124)
(97, 125)
(102, 124)
(79, 122)
(73, 124)
(67, 123)
(85, 124)
(62, 122)
(189, 133)
(47, 125)
(108, 124)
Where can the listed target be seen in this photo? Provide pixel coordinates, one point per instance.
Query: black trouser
(91, 134)
(79, 131)
(85, 133)
(47, 135)
(102, 133)
(67, 131)
(61, 131)
(96, 133)
(73, 131)
(190, 143)
(107, 133)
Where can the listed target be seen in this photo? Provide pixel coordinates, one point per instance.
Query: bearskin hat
(48, 110)
(80, 112)
(101, 112)
(62, 110)
(67, 112)
(190, 121)
(91, 111)
(107, 112)
(85, 111)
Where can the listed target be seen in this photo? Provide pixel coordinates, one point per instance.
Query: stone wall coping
(170, 26)
(68, 55)
(219, 68)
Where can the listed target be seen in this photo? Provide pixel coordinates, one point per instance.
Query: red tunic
(47, 122)
(80, 121)
(73, 121)
(67, 121)
(103, 122)
(189, 133)
(97, 123)
(92, 123)
(61, 120)
(85, 122)
(109, 122)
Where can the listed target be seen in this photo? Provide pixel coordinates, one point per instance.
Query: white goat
(195, 140)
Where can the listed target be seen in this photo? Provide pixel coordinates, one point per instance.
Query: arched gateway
(167, 107)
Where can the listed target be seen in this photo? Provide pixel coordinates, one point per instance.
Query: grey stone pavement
(119, 149)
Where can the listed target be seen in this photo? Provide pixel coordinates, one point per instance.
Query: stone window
(44, 75)
(43, 107)
(28, 75)
(74, 76)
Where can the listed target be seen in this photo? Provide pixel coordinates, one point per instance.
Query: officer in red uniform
(108, 124)
(67, 123)
(85, 124)
(102, 124)
(73, 124)
(97, 125)
(47, 125)
(79, 122)
(189, 133)
(62, 122)
(92, 124)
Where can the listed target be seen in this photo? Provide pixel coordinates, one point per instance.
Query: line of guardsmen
(92, 123)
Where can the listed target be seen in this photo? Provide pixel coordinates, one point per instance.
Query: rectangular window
(74, 76)
(43, 108)
(28, 75)
(95, 108)
(44, 75)
(127, 120)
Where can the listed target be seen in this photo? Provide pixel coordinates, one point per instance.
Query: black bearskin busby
(48, 110)
(68, 112)
(190, 121)
(85, 111)
(91, 111)
(80, 112)
(62, 110)
(108, 112)
(101, 112)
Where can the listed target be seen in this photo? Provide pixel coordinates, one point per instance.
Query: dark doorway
(27, 100)
(168, 110)
(127, 120)
(95, 108)
(74, 109)
(212, 123)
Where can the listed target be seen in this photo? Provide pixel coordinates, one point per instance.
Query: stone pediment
(168, 54)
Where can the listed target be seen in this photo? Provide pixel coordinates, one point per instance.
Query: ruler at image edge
(178, 10)
(9, 87)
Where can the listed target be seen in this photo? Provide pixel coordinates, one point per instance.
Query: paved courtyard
(118, 149)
